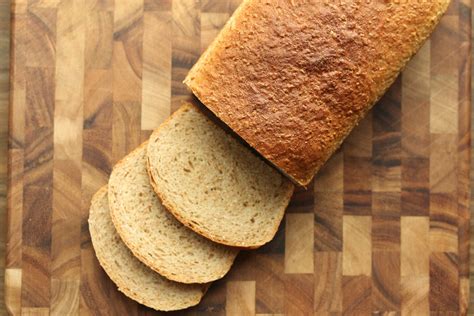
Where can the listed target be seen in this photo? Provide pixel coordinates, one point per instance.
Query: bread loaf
(293, 78)
(153, 235)
(131, 276)
(214, 184)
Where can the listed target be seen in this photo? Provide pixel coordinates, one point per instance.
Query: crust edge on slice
(196, 291)
(147, 261)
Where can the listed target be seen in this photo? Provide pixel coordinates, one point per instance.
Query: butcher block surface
(384, 227)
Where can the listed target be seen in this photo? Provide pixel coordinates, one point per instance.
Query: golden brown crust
(173, 209)
(293, 78)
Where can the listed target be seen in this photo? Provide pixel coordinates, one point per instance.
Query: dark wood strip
(464, 147)
(277, 244)
(40, 89)
(36, 237)
(157, 5)
(41, 36)
(386, 164)
(328, 209)
(299, 294)
(126, 134)
(415, 197)
(444, 282)
(302, 200)
(444, 222)
(98, 98)
(385, 222)
(356, 295)
(357, 185)
(327, 282)
(386, 292)
(269, 284)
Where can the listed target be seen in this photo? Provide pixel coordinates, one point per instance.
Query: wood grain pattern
(384, 229)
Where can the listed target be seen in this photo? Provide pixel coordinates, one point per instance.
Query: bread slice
(213, 184)
(132, 277)
(292, 78)
(153, 235)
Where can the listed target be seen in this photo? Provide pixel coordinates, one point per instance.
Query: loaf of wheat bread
(132, 277)
(153, 235)
(213, 183)
(293, 78)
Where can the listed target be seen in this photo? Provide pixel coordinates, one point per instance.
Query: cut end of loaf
(214, 184)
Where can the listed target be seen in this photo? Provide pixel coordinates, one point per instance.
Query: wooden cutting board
(384, 228)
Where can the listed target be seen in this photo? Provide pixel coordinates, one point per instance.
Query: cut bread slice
(214, 184)
(153, 235)
(132, 277)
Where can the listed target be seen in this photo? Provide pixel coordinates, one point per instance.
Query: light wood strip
(15, 207)
(13, 290)
(414, 246)
(29, 311)
(415, 295)
(464, 296)
(357, 245)
(64, 297)
(126, 15)
(327, 282)
(359, 141)
(240, 298)
(68, 122)
(211, 24)
(299, 243)
(416, 105)
(186, 47)
(331, 176)
(17, 75)
(444, 76)
(443, 161)
(99, 33)
(156, 91)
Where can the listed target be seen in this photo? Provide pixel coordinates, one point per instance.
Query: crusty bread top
(131, 276)
(293, 78)
(153, 235)
(213, 183)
